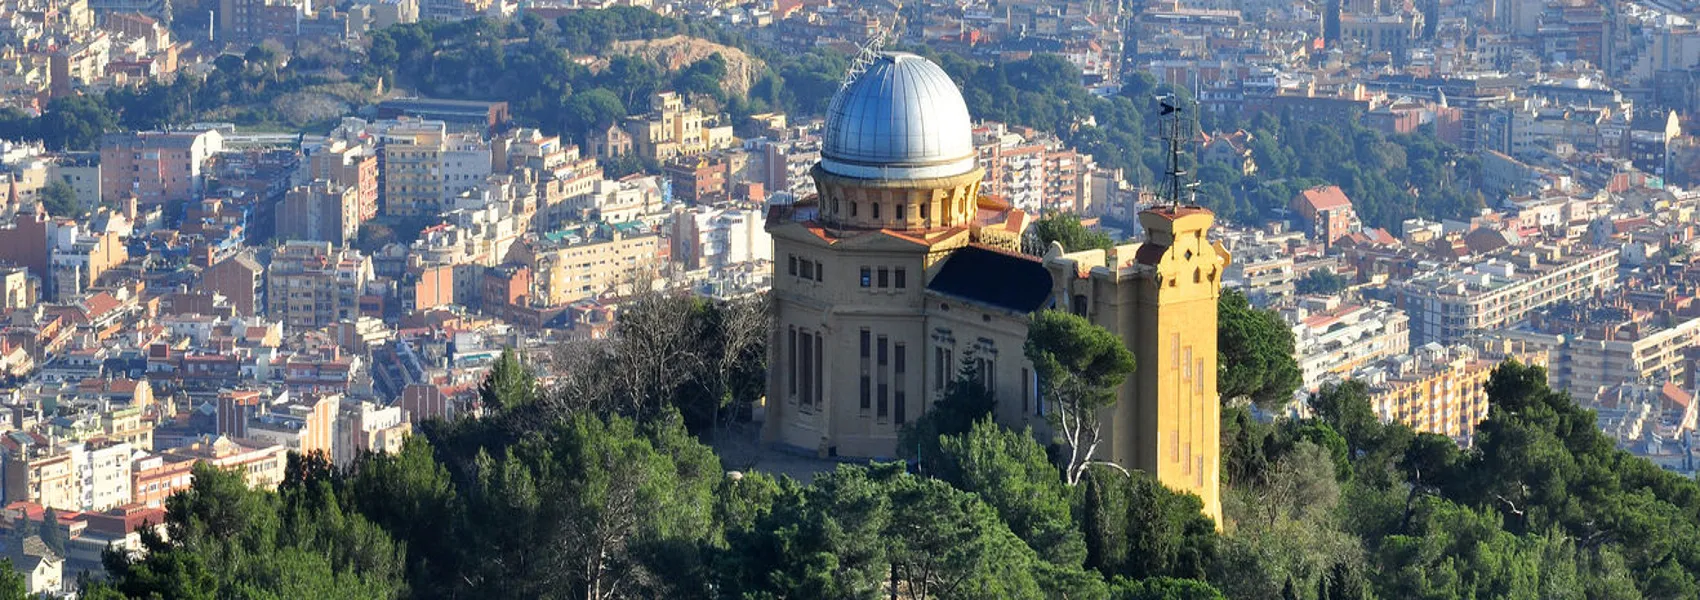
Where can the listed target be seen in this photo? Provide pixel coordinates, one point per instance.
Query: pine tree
(51, 534)
(508, 385)
(1290, 591)
(1096, 522)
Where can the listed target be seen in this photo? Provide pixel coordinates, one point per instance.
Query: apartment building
(1263, 264)
(252, 22)
(313, 284)
(262, 465)
(304, 425)
(79, 257)
(155, 167)
(321, 211)
(1033, 171)
(1593, 348)
(92, 476)
(241, 280)
(697, 179)
(1438, 389)
(363, 427)
(421, 165)
(104, 471)
(717, 236)
(352, 166)
(1446, 304)
(671, 129)
(39, 471)
(1334, 338)
(153, 479)
(615, 201)
(579, 263)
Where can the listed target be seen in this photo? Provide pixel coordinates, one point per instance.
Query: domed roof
(903, 118)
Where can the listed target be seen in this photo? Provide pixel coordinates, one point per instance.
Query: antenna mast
(1175, 182)
(1175, 177)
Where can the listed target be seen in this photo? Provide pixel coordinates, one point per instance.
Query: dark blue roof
(1010, 281)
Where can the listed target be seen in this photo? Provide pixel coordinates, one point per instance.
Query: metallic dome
(903, 118)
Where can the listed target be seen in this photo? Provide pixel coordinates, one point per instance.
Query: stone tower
(1177, 414)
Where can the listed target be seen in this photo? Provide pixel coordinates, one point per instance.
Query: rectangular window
(938, 369)
(899, 398)
(808, 269)
(867, 277)
(807, 366)
(902, 278)
(864, 371)
(1038, 396)
(820, 271)
(820, 375)
(881, 408)
(792, 333)
(1025, 390)
(884, 277)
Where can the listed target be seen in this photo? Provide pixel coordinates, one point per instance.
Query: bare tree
(1080, 365)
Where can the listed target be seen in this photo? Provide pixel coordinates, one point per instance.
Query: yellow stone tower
(1177, 414)
(1160, 296)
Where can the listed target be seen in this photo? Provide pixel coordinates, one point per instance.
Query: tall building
(1446, 305)
(312, 284)
(251, 22)
(349, 165)
(421, 164)
(155, 167)
(320, 212)
(898, 274)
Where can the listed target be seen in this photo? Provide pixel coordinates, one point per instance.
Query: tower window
(876, 210)
(791, 264)
(884, 277)
(820, 271)
(924, 211)
(899, 398)
(852, 209)
(882, 408)
(1026, 389)
(867, 277)
(865, 385)
(902, 279)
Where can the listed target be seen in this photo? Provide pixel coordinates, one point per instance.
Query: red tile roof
(1327, 197)
(1676, 395)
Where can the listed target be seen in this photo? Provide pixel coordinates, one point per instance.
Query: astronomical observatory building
(898, 277)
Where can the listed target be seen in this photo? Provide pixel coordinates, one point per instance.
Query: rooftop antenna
(1175, 184)
(870, 50)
